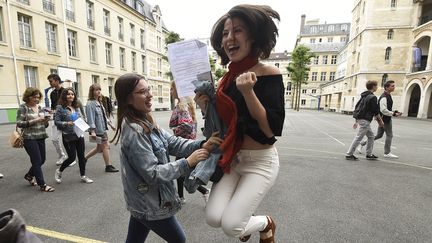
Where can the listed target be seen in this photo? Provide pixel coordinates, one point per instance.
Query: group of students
(367, 108)
(66, 108)
(249, 102)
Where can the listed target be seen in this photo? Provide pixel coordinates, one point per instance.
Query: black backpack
(360, 108)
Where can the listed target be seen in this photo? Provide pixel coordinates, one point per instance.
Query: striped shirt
(31, 131)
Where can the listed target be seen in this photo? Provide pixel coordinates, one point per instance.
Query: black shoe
(110, 168)
(351, 157)
(371, 157)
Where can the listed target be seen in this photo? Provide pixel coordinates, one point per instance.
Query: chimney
(302, 22)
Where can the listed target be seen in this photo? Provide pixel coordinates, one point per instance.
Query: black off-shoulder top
(269, 90)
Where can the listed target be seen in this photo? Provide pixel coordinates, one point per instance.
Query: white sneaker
(85, 179)
(72, 164)
(1, 175)
(60, 161)
(391, 156)
(58, 176)
(182, 200)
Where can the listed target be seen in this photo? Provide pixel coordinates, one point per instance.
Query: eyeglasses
(145, 92)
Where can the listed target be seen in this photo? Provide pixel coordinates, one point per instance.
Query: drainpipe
(13, 54)
(65, 31)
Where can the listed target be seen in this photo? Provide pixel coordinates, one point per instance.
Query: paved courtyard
(318, 197)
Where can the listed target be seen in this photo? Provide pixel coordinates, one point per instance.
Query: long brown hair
(91, 95)
(123, 88)
(63, 98)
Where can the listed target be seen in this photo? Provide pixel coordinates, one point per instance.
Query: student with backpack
(365, 109)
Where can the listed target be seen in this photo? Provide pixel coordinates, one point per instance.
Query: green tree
(299, 69)
(219, 73)
(171, 37)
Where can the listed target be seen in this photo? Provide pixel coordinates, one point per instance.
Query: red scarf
(227, 110)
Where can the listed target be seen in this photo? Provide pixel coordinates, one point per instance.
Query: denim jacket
(62, 117)
(96, 117)
(147, 173)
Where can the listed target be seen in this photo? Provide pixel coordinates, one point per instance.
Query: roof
(325, 46)
(279, 56)
(147, 10)
(326, 29)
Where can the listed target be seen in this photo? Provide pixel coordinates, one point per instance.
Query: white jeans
(237, 195)
(56, 139)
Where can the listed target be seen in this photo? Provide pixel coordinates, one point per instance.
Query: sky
(195, 18)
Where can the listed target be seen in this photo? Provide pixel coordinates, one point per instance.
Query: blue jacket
(96, 117)
(62, 117)
(147, 173)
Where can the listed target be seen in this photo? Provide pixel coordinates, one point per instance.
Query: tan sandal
(270, 226)
(46, 188)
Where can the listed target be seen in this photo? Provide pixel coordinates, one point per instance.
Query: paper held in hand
(80, 127)
(189, 61)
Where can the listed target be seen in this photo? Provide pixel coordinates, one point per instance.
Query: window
(304, 91)
(24, 26)
(323, 76)
(324, 59)
(393, 3)
(24, 1)
(1, 25)
(390, 34)
(133, 61)
(312, 40)
(95, 79)
(106, 22)
(72, 43)
(48, 6)
(384, 79)
(122, 58)
(70, 12)
(289, 86)
(344, 27)
(143, 64)
(90, 15)
(387, 54)
(159, 67)
(331, 28)
(313, 91)
(333, 59)
(30, 74)
(303, 102)
(159, 43)
(120, 29)
(316, 59)
(159, 93)
(92, 49)
(108, 53)
(314, 76)
(142, 39)
(313, 29)
(343, 39)
(51, 37)
(332, 76)
(132, 34)
(320, 40)
(330, 39)
(277, 65)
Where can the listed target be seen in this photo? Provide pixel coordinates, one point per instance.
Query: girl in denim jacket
(147, 173)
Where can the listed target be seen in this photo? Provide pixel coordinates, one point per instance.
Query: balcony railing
(107, 31)
(70, 15)
(90, 24)
(24, 1)
(48, 6)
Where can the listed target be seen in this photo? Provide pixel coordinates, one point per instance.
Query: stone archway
(428, 101)
(414, 101)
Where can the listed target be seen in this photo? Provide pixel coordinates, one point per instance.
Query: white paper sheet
(189, 61)
(80, 126)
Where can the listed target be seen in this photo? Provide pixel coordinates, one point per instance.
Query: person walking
(98, 122)
(55, 83)
(385, 102)
(67, 112)
(184, 124)
(147, 174)
(367, 108)
(33, 122)
(250, 102)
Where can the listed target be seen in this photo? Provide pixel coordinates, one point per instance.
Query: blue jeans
(35, 148)
(169, 229)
